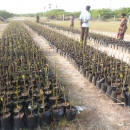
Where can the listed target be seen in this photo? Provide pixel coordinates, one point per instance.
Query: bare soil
(2, 28)
(100, 113)
(110, 34)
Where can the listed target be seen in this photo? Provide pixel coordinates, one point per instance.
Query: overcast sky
(34, 6)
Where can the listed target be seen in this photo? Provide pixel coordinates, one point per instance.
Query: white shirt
(85, 15)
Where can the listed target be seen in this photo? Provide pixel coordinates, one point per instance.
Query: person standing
(72, 21)
(37, 18)
(85, 17)
(122, 28)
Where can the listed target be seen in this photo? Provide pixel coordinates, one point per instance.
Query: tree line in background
(4, 14)
(104, 13)
(57, 13)
(108, 13)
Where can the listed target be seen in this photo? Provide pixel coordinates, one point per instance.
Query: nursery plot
(89, 61)
(30, 92)
(109, 45)
(82, 90)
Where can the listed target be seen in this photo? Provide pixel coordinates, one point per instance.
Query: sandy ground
(110, 34)
(106, 114)
(2, 28)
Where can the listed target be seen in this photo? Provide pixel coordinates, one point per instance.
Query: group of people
(85, 17)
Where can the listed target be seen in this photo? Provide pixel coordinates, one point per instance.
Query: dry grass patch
(104, 26)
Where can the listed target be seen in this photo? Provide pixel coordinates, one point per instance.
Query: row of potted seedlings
(30, 92)
(109, 74)
(123, 46)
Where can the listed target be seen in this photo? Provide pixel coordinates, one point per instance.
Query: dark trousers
(84, 34)
(72, 25)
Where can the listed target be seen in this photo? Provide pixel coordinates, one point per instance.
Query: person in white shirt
(85, 16)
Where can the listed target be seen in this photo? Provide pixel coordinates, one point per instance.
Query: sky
(35, 6)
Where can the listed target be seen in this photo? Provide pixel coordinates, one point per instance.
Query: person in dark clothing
(37, 18)
(72, 21)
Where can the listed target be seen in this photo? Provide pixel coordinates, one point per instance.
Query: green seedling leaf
(18, 107)
(62, 88)
(23, 77)
(1, 99)
(121, 75)
(16, 92)
(81, 42)
(41, 92)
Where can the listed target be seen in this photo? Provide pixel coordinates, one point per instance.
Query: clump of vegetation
(6, 14)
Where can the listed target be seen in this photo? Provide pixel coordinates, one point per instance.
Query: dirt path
(2, 28)
(100, 114)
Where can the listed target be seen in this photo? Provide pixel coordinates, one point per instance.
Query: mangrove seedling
(63, 90)
(42, 97)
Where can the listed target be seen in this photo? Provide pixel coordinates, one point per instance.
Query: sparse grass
(105, 26)
(86, 120)
(61, 125)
